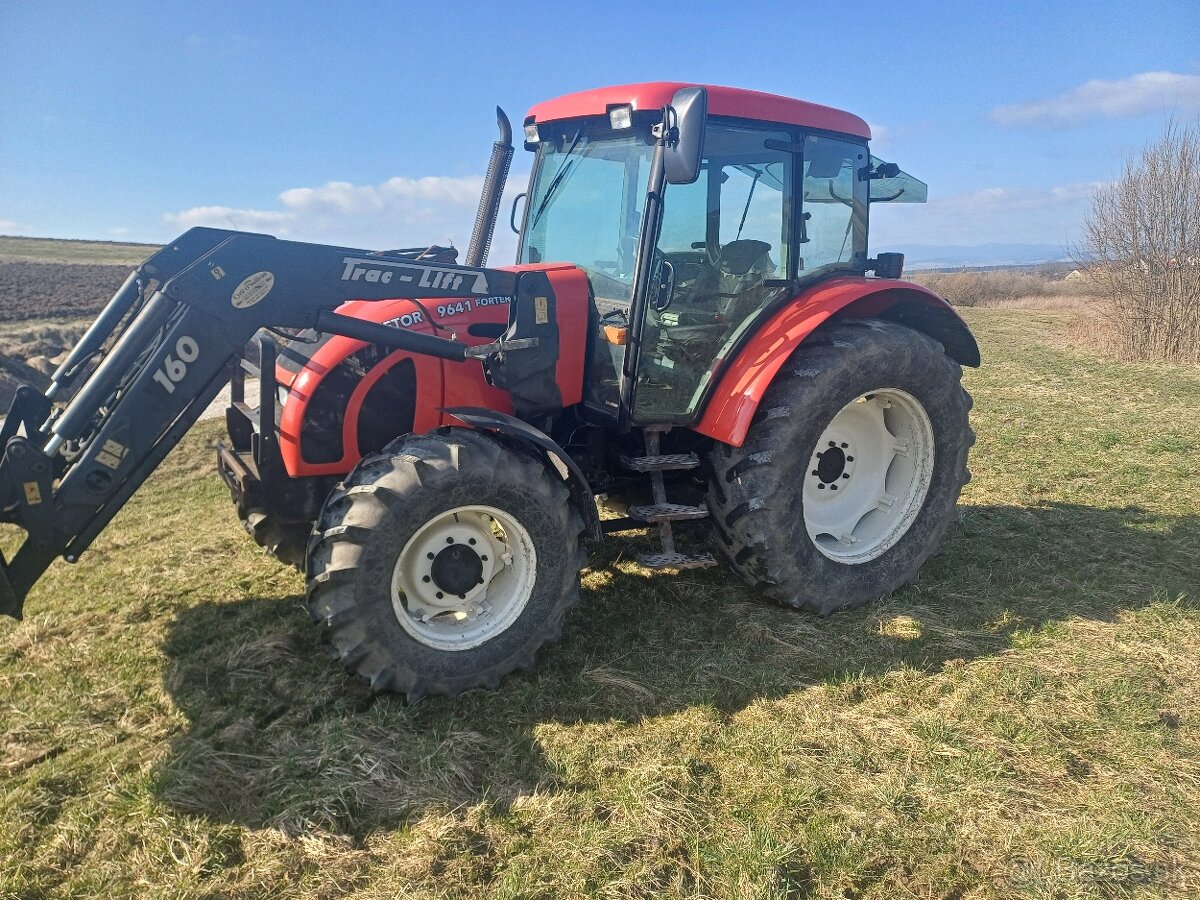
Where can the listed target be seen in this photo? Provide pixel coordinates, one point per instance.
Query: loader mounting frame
(172, 337)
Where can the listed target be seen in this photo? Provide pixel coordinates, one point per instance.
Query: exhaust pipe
(493, 189)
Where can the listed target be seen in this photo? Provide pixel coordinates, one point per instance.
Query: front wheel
(444, 563)
(850, 473)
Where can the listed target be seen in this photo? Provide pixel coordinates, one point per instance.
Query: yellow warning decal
(33, 493)
(111, 454)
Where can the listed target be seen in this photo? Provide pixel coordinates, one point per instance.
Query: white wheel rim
(430, 595)
(868, 476)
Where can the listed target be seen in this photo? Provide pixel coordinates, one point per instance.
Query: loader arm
(168, 342)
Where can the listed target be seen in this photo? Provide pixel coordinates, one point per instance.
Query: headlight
(620, 117)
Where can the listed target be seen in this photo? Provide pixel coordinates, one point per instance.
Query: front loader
(691, 333)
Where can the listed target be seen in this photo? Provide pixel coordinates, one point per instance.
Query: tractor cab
(681, 269)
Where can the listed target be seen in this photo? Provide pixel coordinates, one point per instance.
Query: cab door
(725, 243)
(771, 210)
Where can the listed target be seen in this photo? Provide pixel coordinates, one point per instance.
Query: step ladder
(662, 513)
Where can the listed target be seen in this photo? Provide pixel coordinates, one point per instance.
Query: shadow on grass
(279, 736)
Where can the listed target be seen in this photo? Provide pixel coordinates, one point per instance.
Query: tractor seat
(741, 265)
(739, 257)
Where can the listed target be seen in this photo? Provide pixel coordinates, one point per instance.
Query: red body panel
(440, 383)
(722, 101)
(737, 395)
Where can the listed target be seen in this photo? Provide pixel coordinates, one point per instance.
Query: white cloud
(988, 215)
(8, 226)
(119, 232)
(1162, 93)
(881, 137)
(399, 212)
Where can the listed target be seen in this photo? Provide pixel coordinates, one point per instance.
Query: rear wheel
(444, 563)
(850, 473)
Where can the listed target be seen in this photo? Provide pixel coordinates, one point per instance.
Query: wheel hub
(834, 465)
(869, 475)
(463, 577)
(457, 569)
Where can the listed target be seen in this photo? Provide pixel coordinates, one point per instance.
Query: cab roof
(722, 101)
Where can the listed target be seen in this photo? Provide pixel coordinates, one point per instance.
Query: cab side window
(835, 205)
(725, 238)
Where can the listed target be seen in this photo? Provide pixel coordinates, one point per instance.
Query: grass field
(51, 250)
(1020, 722)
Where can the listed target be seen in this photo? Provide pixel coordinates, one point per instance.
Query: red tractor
(691, 333)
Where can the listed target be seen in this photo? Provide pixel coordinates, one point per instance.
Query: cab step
(676, 560)
(667, 512)
(661, 463)
(660, 512)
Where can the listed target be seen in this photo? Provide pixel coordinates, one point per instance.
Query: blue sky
(370, 123)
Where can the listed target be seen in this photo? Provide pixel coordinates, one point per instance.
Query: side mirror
(685, 140)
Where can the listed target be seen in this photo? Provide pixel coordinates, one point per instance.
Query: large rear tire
(444, 562)
(851, 470)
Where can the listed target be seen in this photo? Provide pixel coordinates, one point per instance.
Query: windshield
(585, 207)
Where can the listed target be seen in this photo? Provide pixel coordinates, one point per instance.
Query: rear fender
(734, 401)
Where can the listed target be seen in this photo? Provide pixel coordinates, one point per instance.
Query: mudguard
(735, 399)
(545, 447)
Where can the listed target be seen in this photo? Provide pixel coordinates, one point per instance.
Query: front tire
(286, 541)
(444, 563)
(850, 472)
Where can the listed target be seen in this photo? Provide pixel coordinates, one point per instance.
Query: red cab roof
(722, 101)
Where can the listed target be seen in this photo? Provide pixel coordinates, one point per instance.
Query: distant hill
(950, 256)
(916, 256)
(53, 250)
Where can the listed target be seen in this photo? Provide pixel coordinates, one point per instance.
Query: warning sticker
(111, 454)
(253, 289)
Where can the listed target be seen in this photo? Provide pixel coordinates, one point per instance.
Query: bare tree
(1141, 248)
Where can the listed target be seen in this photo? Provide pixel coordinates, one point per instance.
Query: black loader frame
(173, 336)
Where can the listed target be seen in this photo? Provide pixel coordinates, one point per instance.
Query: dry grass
(997, 287)
(1020, 722)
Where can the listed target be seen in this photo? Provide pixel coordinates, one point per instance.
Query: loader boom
(174, 332)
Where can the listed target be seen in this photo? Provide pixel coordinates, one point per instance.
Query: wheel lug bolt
(844, 445)
(462, 596)
(820, 487)
(845, 474)
(449, 540)
(833, 487)
(429, 555)
(471, 541)
(834, 444)
(484, 558)
(849, 459)
(426, 579)
(439, 595)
